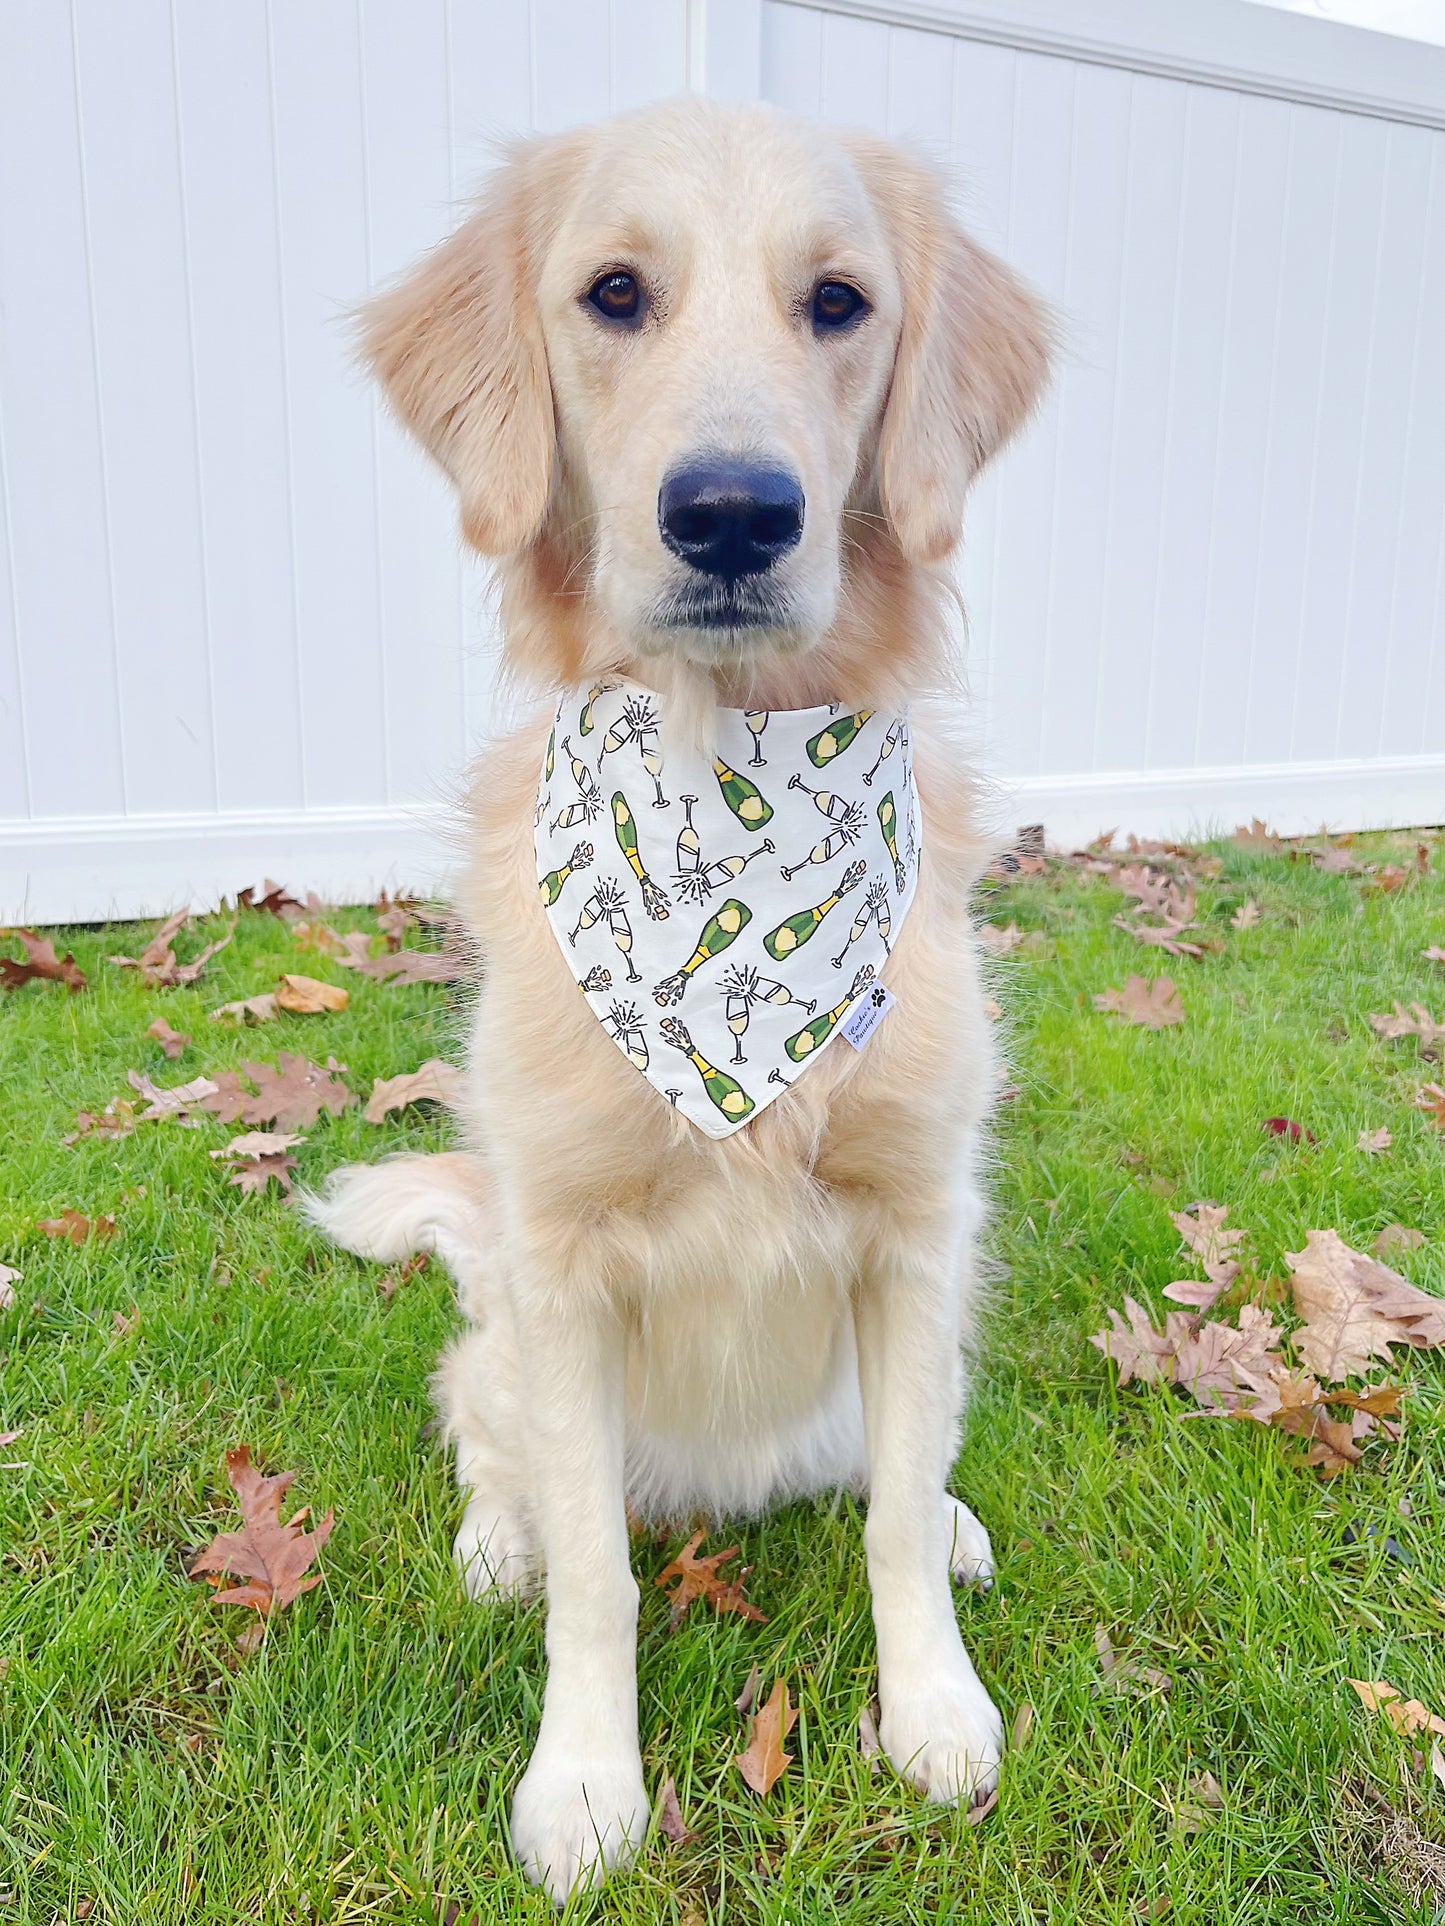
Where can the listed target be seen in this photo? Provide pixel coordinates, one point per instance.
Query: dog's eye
(835, 305)
(616, 296)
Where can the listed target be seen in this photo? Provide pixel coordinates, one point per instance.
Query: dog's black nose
(730, 518)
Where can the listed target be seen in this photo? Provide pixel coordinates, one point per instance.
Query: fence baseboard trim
(61, 868)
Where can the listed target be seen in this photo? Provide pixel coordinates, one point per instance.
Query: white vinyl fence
(236, 634)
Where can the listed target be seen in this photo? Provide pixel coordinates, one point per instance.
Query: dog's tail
(391, 1210)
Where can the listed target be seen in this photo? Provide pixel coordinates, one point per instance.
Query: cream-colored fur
(659, 1317)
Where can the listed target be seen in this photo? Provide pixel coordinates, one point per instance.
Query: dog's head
(683, 363)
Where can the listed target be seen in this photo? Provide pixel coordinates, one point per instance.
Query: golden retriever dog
(712, 385)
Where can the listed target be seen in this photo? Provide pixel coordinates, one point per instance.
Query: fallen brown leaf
(764, 1762)
(434, 1082)
(1000, 941)
(275, 900)
(307, 996)
(175, 1100)
(748, 1696)
(1203, 1230)
(1435, 954)
(1125, 1674)
(8, 1280)
(391, 1283)
(73, 1225)
(1260, 837)
(157, 961)
(173, 1042)
(1023, 1725)
(1397, 1237)
(41, 964)
(699, 1578)
(406, 966)
(269, 1556)
(1354, 1308)
(1415, 1022)
(118, 1119)
(126, 1326)
(1389, 877)
(870, 1746)
(292, 1094)
(978, 1812)
(1432, 1101)
(249, 1009)
(1335, 861)
(670, 1821)
(1408, 1716)
(1246, 916)
(1374, 1142)
(1156, 1004)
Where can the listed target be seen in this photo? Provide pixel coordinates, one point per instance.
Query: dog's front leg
(939, 1726)
(581, 1806)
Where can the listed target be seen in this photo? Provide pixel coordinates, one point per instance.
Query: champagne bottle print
(888, 823)
(742, 797)
(873, 907)
(890, 743)
(812, 1034)
(552, 883)
(728, 1094)
(757, 721)
(794, 931)
(717, 933)
(585, 722)
(597, 979)
(833, 740)
(654, 897)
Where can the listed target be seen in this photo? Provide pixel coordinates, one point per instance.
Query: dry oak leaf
(1435, 954)
(274, 899)
(747, 1698)
(765, 1761)
(176, 1100)
(173, 1042)
(270, 1557)
(407, 966)
(157, 961)
(1155, 1004)
(1354, 1308)
(292, 1094)
(41, 963)
(77, 1227)
(670, 1821)
(118, 1119)
(1259, 836)
(1000, 940)
(1406, 1715)
(1414, 1022)
(1246, 916)
(1373, 1142)
(1125, 1674)
(1335, 861)
(1138, 1349)
(434, 1082)
(1203, 1230)
(1432, 1101)
(700, 1578)
(1231, 1369)
(308, 996)
(248, 1009)
(260, 1158)
(1397, 1237)
(391, 1283)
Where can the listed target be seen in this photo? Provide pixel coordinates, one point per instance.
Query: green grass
(358, 1767)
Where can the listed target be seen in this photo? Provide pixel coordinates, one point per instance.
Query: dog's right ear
(458, 347)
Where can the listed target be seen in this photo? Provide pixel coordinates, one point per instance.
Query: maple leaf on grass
(260, 1158)
(701, 1578)
(291, 1094)
(271, 1558)
(1260, 837)
(434, 1082)
(78, 1228)
(1354, 1308)
(173, 1042)
(1155, 1004)
(1415, 1022)
(1432, 1101)
(764, 1762)
(41, 964)
(1203, 1229)
(1246, 916)
(1408, 1716)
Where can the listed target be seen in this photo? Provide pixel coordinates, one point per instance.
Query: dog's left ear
(973, 359)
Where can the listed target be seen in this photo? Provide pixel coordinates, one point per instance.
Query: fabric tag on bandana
(726, 909)
(870, 1011)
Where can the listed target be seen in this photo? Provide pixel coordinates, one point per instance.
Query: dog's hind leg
(388, 1212)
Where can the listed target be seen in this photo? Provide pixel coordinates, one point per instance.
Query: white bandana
(723, 914)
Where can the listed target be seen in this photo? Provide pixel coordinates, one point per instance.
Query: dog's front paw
(970, 1550)
(945, 1737)
(575, 1820)
(495, 1556)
